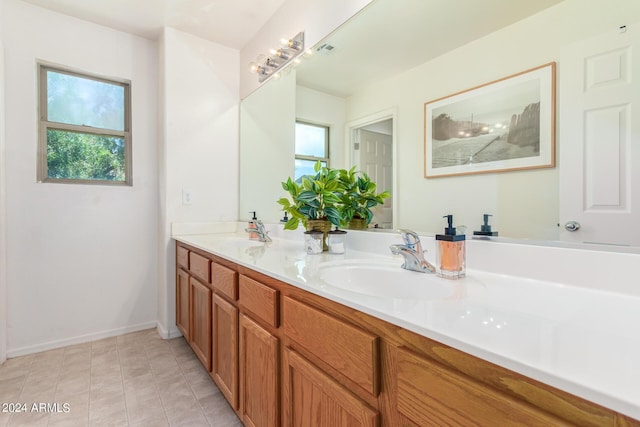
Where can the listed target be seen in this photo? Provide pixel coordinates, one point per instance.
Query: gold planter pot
(357, 224)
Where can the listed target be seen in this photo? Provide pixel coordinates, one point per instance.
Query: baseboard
(79, 339)
(168, 334)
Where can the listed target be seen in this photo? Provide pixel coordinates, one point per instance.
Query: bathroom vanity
(288, 346)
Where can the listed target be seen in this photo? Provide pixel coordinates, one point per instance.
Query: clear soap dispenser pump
(451, 258)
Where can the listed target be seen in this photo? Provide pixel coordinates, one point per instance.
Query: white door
(376, 160)
(599, 146)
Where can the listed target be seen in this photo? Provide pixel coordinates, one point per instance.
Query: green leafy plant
(314, 197)
(359, 195)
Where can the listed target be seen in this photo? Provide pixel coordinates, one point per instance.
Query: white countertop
(580, 340)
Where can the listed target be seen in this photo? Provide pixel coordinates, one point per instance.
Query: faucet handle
(410, 238)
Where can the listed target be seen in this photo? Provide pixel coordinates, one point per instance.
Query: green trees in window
(74, 155)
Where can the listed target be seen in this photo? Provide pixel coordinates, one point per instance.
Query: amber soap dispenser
(450, 252)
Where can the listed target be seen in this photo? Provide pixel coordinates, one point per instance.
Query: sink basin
(384, 280)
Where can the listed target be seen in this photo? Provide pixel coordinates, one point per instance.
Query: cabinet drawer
(346, 348)
(224, 281)
(199, 267)
(429, 394)
(260, 300)
(182, 256)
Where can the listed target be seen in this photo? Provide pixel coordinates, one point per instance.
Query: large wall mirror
(376, 72)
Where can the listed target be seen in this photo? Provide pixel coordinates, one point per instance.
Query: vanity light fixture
(267, 66)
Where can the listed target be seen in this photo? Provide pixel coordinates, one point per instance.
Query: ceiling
(386, 39)
(230, 23)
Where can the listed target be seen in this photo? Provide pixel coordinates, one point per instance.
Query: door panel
(600, 138)
(200, 332)
(259, 389)
(315, 399)
(225, 349)
(376, 160)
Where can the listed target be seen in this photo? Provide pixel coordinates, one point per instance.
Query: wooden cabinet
(224, 281)
(199, 267)
(182, 302)
(429, 394)
(201, 321)
(193, 302)
(225, 349)
(259, 390)
(283, 356)
(351, 351)
(315, 399)
(260, 300)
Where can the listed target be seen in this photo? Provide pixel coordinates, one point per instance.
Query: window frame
(325, 159)
(44, 125)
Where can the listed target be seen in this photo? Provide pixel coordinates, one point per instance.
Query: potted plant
(359, 197)
(315, 200)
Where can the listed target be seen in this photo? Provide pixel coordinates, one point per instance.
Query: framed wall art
(504, 125)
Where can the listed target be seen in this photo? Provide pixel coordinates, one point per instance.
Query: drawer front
(199, 267)
(260, 300)
(182, 255)
(429, 394)
(225, 281)
(346, 348)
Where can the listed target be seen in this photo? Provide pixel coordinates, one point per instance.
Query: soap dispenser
(450, 252)
(485, 229)
(252, 225)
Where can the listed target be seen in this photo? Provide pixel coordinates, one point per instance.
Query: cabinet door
(432, 395)
(182, 303)
(259, 398)
(201, 322)
(315, 399)
(224, 369)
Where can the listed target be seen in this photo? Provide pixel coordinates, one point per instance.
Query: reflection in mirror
(312, 145)
(399, 57)
(372, 141)
(267, 129)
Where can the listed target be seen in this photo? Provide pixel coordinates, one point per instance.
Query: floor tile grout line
(124, 392)
(48, 417)
(22, 388)
(155, 384)
(90, 383)
(191, 388)
(55, 391)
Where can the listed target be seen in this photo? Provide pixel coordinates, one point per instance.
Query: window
(312, 144)
(85, 134)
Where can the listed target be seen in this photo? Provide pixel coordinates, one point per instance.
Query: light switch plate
(187, 196)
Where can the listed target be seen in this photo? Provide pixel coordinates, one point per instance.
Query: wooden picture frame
(504, 125)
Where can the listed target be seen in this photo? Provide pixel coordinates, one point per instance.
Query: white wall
(513, 197)
(317, 18)
(81, 259)
(199, 111)
(3, 224)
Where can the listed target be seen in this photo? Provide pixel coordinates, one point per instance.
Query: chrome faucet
(412, 253)
(260, 230)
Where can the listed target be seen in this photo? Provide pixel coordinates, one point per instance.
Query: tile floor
(136, 379)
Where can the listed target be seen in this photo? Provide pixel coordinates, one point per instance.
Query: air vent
(325, 49)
